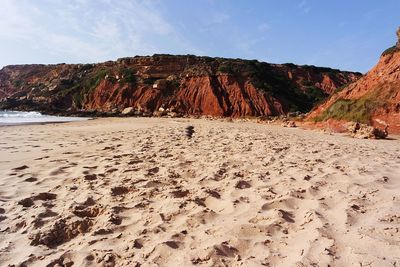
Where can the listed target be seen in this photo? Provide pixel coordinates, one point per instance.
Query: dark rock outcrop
(187, 85)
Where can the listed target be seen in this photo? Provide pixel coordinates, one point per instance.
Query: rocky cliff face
(374, 99)
(186, 84)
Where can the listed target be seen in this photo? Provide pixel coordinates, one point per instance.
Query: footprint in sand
(26, 202)
(45, 196)
(47, 213)
(287, 216)
(31, 179)
(180, 193)
(138, 243)
(111, 170)
(20, 168)
(200, 201)
(213, 193)
(103, 231)
(90, 177)
(61, 261)
(84, 211)
(42, 158)
(153, 171)
(2, 217)
(225, 250)
(60, 232)
(242, 184)
(119, 190)
(173, 244)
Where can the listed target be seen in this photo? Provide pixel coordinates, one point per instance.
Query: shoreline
(42, 123)
(11, 118)
(301, 125)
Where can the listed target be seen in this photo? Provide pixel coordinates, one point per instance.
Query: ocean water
(20, 117)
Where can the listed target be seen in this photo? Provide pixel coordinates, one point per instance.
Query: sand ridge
(140, 192)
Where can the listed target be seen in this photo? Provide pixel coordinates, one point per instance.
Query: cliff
(188, 85)
(374, 99)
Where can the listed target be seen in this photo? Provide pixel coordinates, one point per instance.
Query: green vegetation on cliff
(266, 78)
(87, 85)
(391, 50)
(69, 87)
(128, 76)
(359, 110)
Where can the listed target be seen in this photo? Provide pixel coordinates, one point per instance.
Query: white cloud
(218, 18)
(304, 7)
(89, 31)
(264, 27)
(246, 44)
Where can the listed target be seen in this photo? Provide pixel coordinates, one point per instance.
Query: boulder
(128, 111)
(173, 114)
(290, 124)
(161, 112)
(138, 113)
(364, 131)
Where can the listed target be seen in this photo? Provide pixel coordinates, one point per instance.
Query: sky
(344, 34)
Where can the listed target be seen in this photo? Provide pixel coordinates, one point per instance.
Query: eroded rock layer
(188, 85)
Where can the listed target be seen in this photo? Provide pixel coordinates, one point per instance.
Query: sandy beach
(139, 192)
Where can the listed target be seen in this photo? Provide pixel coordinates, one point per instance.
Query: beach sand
(139, 192)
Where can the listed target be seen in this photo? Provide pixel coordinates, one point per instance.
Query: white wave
(19, 114)
(19, 117)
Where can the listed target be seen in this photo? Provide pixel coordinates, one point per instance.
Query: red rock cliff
(373, 99)
(186, 84)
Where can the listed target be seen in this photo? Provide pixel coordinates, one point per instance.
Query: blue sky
(345, 34)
